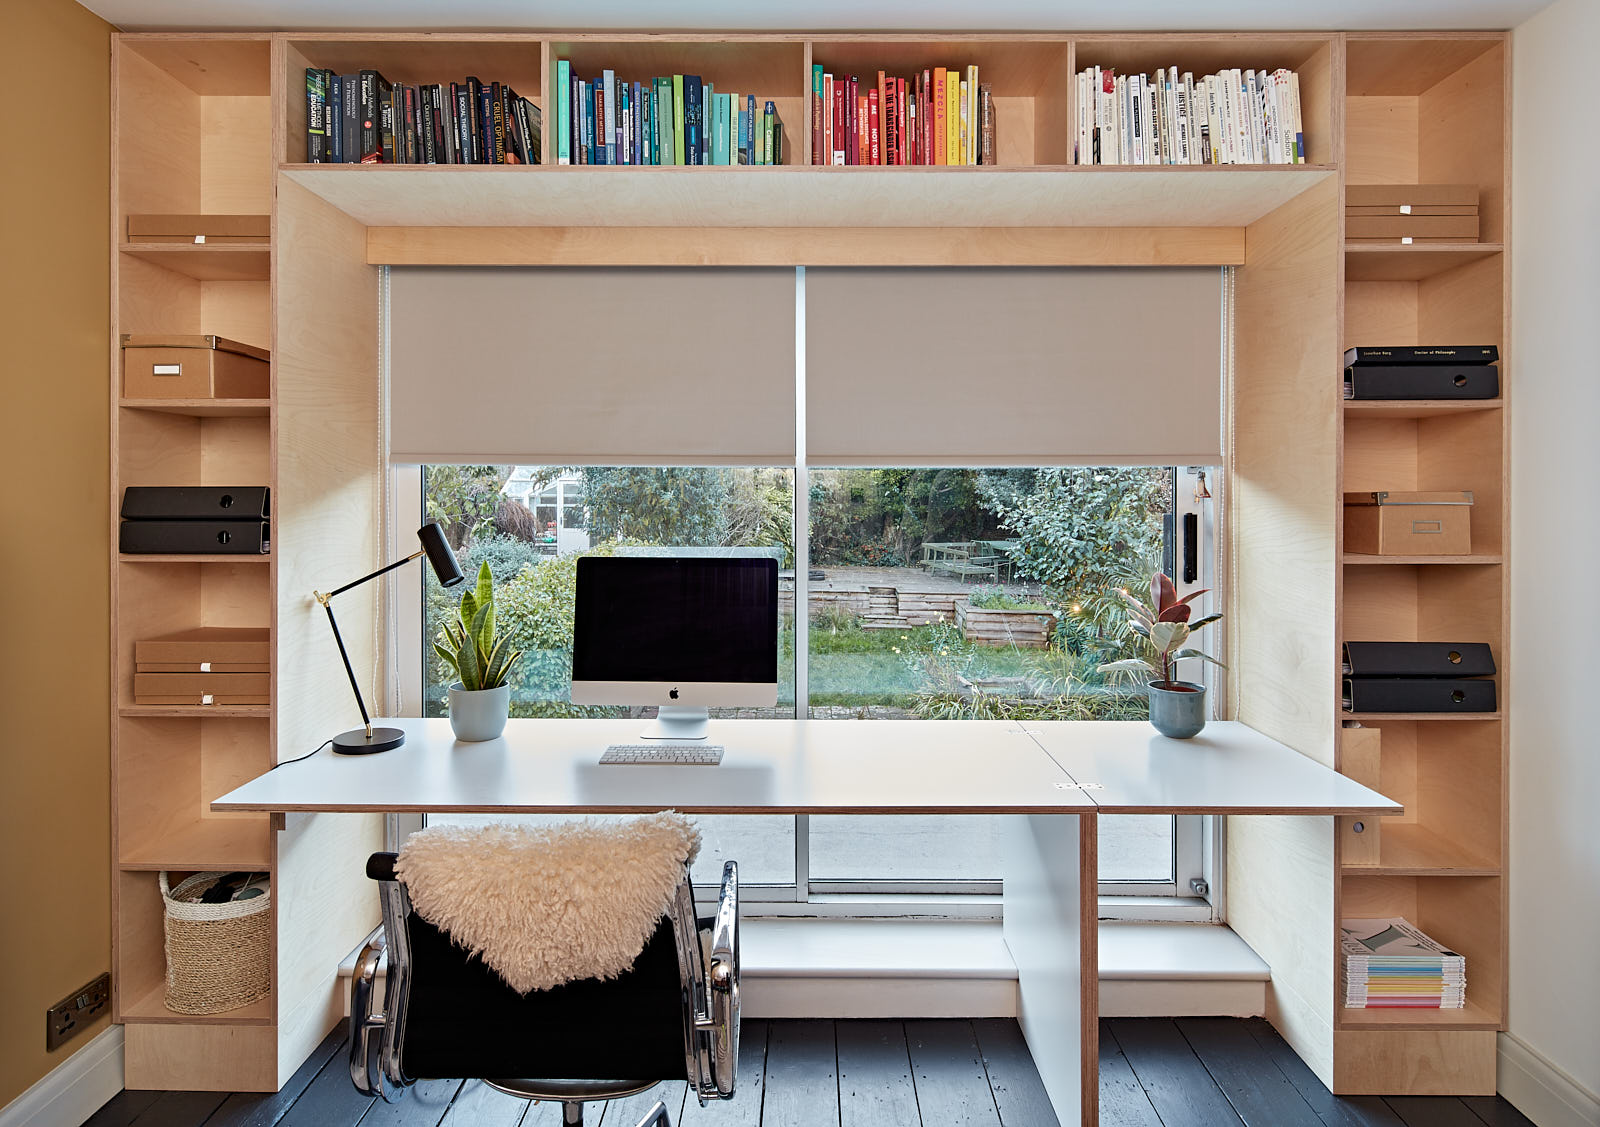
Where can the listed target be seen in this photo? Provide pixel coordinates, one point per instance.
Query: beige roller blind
(1053, 366)
(592, 366)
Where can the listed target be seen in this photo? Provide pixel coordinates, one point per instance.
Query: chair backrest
(447, 1014)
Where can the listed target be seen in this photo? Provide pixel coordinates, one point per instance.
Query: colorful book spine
(563, 111)
(941, 118)
(708, 97)
(817, 146)
(680, 109)
(770, 122)
(316, 116)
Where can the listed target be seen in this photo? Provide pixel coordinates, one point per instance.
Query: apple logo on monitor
(673, 694)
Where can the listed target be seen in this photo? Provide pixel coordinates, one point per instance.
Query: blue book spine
(564, 111)
(624, 125)
(708, 102)
(590, 150)
(639, 114)
(750, 130)
(578, 151)
(486, 123)
(719, 130)
(691, 118)
(609, 126)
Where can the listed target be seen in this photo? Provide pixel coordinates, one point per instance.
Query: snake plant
(468, 644)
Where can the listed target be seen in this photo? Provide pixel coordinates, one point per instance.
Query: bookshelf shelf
(1480, 560)
(211, 845)
(794, 196)
(1417, 408)
(1381, 263)
(239, 711)
(152, 558)
(201, 408)
(1472, 1016)
(151, 1009)
(232, 262)
(1409, 849)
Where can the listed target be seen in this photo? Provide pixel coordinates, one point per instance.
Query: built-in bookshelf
(218, 123)
(1431, 109)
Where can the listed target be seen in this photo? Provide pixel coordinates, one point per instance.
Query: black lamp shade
(439, 554)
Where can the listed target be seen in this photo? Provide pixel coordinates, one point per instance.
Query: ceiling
(928, 15)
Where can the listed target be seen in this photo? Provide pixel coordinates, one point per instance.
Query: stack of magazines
(1391, 964)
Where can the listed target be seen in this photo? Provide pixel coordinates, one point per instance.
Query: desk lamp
(364, 741)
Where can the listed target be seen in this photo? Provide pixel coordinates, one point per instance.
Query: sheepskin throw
(545, 905)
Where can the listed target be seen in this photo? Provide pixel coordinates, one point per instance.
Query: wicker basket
(219, 956)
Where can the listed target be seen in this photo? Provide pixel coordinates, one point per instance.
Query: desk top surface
(821, 767)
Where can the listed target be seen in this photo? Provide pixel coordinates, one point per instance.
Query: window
(929, 592)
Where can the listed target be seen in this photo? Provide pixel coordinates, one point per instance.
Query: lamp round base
(356, 742)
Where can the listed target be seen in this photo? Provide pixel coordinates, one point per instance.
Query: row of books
(1231, 117)
(939, 116)
(1392, 964)
(363, 118)
(669, 119)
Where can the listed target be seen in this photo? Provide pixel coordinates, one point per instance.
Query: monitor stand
(678, 722)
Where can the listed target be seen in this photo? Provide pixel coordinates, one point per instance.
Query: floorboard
(1154, 1072)
(424, 1105)
(1018, 1092)
(802, 1084)
(1496, 1111)
(1180, 1088)
(478, 1105)
(1123, 1102)
(744, 1110)
(1260, 1094)
(1432, 1111)
(265, 1109)
(952, 1086)
(875, 1085)
(1335, 1111)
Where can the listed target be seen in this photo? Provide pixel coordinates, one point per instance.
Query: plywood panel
(825, 246)
(240, 311)
(233, 451)
(151, 299)
(158, 139)
(205, 1058)
(1379, 313)
(1417, 1062)
(236, 155)
(1461, 137)
(207, 64)
(1380, 144)
(154, 448)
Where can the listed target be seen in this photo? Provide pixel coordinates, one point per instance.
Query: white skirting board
(1540, 1090)
(73, 1090)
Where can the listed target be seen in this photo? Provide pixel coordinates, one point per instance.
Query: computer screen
(676, 632)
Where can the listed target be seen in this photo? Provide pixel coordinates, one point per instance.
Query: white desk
(1054, 776)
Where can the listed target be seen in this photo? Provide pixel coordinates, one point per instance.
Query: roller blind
(577, 366)
(1008, 366)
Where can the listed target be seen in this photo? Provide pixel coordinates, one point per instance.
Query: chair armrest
(364, 1021)
(723, 978)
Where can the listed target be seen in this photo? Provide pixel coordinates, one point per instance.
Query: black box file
(1418, 659)
(196, 502)
(1422, 381)
(195, 537)
(1418, 694)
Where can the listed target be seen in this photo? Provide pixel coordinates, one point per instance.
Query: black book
(462, 96)
(425, 125)
(351, 125)
(1418, 694)
(316, 116)
(334, 124)
(196, 502)
(691, 113)
(1422, 381)
(1418, 659)
(375, 94)
(1465, 354)
(194, 537)
(474, 89)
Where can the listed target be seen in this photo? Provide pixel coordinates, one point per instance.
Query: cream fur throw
(545, 905)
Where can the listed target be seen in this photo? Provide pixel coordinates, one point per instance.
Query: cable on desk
(307, 755)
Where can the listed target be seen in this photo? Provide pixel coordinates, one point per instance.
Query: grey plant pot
(479, 714)
(1176, 714)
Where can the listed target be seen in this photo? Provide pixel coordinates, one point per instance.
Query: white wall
(1555, 532)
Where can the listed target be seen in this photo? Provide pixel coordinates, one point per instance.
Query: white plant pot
(479, 714)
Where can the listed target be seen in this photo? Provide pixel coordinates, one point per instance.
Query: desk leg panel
(1051, 910)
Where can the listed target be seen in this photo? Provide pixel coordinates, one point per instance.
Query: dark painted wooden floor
(1154, 1072)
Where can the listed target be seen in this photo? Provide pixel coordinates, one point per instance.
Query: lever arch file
(196, 502)
(1418, 659)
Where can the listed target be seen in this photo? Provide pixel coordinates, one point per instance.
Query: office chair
(673, 1016)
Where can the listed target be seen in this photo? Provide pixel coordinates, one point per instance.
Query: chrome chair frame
(709, 993)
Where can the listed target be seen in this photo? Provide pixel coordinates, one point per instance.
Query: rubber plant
(469, 645)
(1165, 626)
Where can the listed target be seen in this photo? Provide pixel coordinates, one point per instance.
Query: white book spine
(1181, 94)
(1174, 146)
(1081, 117)
(1269, 102)
(1103, 120)
(1263, 153)
(1241, 120)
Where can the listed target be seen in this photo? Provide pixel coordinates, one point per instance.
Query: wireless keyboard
(699, 755)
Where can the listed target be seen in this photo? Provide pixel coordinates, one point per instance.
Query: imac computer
(684, 633)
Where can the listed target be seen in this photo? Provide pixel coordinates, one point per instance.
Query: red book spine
(882, 107)
(863, 149)
(874, 129)
(852, 154)
(927, 118)
(901, 120)
(840, 119)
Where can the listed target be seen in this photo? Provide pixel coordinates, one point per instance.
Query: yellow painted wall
(55, 183)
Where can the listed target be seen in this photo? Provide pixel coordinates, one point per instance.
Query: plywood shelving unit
(216, 123)
(1431, 109)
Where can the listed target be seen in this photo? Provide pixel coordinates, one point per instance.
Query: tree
(679, 506)
(463, 498)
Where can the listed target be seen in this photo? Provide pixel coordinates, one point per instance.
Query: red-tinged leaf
(1162, 593)
(1177, 612)
(1192, 595)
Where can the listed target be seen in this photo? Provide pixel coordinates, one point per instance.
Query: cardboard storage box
(206, 649)
(1390, 228)
(193, 367)
(225, 229)
(202, 688)
(1412, 196)
(1408, 524)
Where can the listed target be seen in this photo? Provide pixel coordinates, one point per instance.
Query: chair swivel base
(357, 742)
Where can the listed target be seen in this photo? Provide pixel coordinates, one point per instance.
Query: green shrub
(995, 598)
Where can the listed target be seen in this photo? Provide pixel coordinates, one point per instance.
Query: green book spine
(768, 119)
(680, 121)
(817, 110)
(563, 98)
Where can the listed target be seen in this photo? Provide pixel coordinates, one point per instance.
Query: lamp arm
(327, 605)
